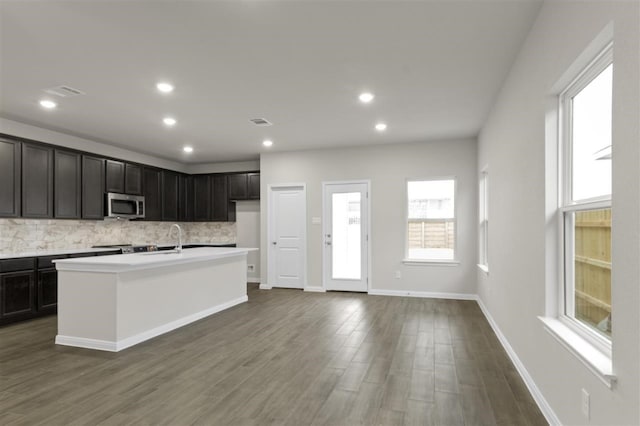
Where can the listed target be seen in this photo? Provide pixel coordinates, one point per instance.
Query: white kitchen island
(113, 302)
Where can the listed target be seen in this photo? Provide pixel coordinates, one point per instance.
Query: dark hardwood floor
(285, 357)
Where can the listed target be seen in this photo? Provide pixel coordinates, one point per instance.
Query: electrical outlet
(398, 275)
(586, 404)
(251, 268)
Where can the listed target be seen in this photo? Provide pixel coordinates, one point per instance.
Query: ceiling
(435, 68)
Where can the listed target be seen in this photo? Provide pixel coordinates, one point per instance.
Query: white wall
(387, 167)
(512, 145)
(248, 234)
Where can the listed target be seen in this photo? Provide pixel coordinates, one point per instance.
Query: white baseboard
(105, 345)
(544, 406)
(253, 280)
(423, 294)
(264, 287)
(315, 289)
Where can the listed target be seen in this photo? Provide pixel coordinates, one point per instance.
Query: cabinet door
(185, 201)
(219, 199)
(92, 187)
(132, 179)
(10, 166)
(237, 186)
(153, 193)
(201, 198)
(16, 294)
(47, 293)
(169, 195)
(114, 176)
(253, 186)
(67, 181)
(37, 181)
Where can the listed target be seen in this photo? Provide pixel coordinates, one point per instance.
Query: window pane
(346, 236)
(591, 138)
(592, 273)
(431, 224)
(431, 199)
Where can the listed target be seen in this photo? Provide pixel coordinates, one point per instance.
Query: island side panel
(87, 309)
(154, 301)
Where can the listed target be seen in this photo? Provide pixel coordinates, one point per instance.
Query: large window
(483, 219)
(585, 200)
(431, 220)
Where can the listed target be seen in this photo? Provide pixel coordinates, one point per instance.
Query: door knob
(274, 243)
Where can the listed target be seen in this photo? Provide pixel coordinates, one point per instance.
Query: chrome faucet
(179, 246)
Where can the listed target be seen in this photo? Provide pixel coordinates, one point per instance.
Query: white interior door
(287, 240)
(345, 235)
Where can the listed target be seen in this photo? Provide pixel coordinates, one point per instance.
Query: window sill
(598, 363)
(431, 262)
(483, 268)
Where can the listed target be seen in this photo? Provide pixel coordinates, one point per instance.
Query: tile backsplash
(24, 235)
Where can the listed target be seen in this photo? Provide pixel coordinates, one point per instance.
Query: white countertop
(55, 252)
(148, 260)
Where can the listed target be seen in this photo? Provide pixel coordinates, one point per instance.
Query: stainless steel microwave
(124, 206)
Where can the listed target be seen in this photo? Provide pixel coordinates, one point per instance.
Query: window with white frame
(585, 200)
(431, 220)
(483, 221)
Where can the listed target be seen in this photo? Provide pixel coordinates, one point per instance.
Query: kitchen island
(113, 302)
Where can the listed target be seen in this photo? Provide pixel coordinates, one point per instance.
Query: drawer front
(13, 265)
(46, 261)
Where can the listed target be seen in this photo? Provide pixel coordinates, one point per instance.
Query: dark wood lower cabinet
(47, 294)
(17, 299)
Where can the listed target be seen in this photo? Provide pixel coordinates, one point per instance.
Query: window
(585, 201)
(483, 219)
(431, 220)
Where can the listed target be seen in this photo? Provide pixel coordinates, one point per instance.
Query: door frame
(366, 182)
(271, 188)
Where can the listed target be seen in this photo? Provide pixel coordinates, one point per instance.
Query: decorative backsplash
(23, 235)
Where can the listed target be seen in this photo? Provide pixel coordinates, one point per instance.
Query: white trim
(418, 262)
(270, 257)
(483, 268)
(253, 280)
(264, 287)
(315, 289)
(595, 360)
(105, 345)
(544, 406)
(423, 294)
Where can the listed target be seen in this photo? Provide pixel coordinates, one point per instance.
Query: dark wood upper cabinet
(37, 181)
(10, 176)
(114, 176)
(170, 194)
(132, 179)
(201, 198)
(153, 193)
(67, 178)
(237, 186)
(185, 198)
(92, 187)
(219, 198)
(253, 186)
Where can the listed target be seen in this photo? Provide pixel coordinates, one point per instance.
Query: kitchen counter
(113, 302)
(147, 260)
(56, 252)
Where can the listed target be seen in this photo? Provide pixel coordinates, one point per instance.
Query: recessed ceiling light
(165, 87)
(381, 127)
(267, 143)
(169, 121)
(366, 97)
(45, 103)
(188, 149)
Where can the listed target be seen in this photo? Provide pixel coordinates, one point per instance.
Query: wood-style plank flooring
(285, 357)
